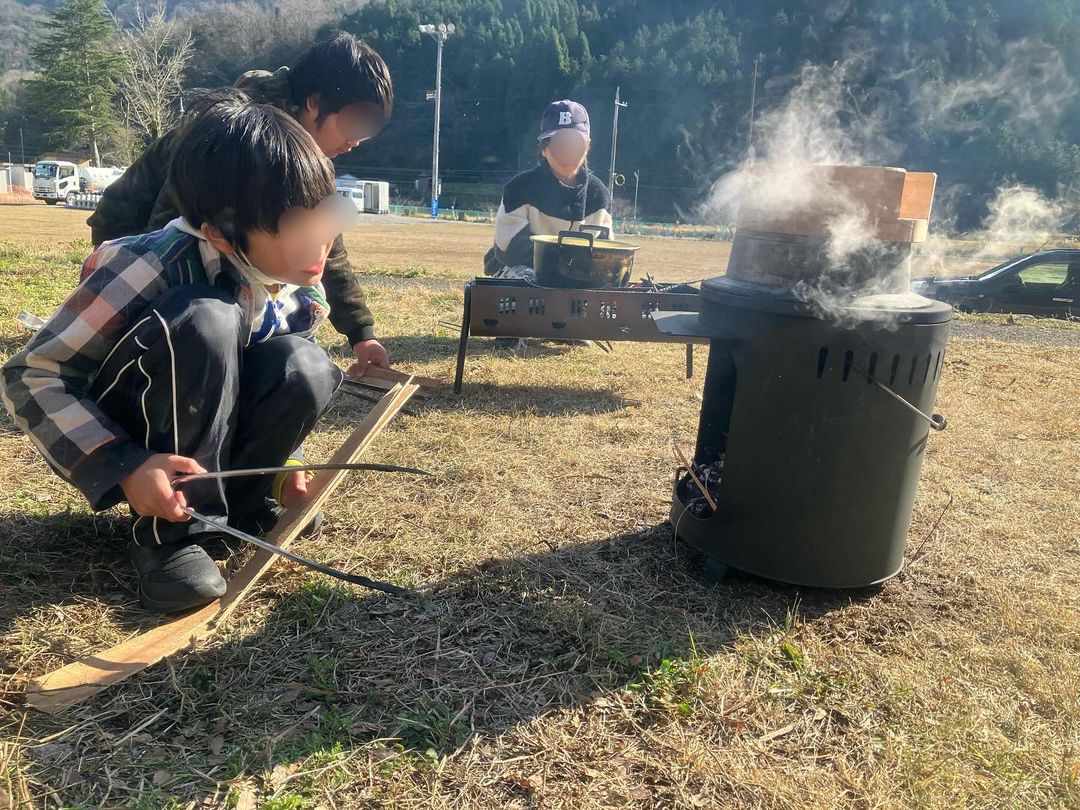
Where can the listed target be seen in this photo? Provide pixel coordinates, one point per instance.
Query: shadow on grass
(406, 349)
(347, 409)
(332, 669)
(64, 569)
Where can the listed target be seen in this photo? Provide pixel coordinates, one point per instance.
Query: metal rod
(353, 579)
(637, 183)
(937, 421)
(391, 468)
(753, 106)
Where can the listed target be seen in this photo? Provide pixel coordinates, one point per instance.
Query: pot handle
(602, 231)
(936, 420)
(576, 235)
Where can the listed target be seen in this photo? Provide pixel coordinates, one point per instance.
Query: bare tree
(158, 51)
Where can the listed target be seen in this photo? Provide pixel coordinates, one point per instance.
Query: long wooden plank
(392, 375)
(86, 677)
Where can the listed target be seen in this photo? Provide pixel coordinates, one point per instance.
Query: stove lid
(905, 307)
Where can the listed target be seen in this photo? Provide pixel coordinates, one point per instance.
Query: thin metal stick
(390, 468)
(937, 421)
(690, 469)
(354, 579)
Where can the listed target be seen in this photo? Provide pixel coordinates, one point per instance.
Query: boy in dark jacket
(188, 349)
(341, 93)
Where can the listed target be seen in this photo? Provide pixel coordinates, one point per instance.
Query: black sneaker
(263, 521)
(177, 577)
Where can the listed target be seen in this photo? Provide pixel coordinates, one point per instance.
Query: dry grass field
(567, 652)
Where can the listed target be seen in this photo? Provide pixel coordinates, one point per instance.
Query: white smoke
(1022, 215)
(819, 123)
(1019, 219)
(1032, 84)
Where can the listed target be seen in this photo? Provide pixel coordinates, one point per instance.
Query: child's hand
(293, 488)
(149, 489)
(368, 353)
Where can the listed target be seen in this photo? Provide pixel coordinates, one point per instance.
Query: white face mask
(244, 265)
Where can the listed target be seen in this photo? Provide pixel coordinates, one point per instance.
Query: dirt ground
(568, 652)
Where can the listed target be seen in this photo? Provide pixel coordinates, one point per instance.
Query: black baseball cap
(565, 114)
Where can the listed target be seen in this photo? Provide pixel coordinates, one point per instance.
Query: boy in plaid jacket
(190, 348)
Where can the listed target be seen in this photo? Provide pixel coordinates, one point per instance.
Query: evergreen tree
(79, 68)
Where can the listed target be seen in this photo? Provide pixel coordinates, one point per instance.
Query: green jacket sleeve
(128, 205)
(349, 312)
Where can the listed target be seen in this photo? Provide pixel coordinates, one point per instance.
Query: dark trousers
(182, 381)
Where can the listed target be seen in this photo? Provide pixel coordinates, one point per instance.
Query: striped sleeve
(46, 387)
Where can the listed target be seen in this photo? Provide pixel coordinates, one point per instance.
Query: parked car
(1045, 283)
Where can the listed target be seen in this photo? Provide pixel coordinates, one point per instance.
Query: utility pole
(753, 105)
(615, 138)
(22, 147)
(440, 33)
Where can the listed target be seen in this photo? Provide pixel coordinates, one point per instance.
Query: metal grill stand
(517, 308)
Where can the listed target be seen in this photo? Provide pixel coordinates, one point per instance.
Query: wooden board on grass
(86, 677)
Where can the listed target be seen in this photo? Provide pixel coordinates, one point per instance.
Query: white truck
(61, 180)
(353, 192)
(369, 196)
(55, 180)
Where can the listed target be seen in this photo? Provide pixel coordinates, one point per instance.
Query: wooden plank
(381, 386)
(86, 677)
(918, 199)
(392, 375)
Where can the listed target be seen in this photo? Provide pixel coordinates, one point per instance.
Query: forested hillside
(981, 91)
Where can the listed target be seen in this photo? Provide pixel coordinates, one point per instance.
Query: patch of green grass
(289, 801)
(412, 271)
(675, 685)
(37, 280)
(397, 759)
(155, 799)
(310, 601)
(433, 728)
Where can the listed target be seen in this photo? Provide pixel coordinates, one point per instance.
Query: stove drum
(820, 465)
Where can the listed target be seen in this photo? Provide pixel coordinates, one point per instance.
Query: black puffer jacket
(138, 203)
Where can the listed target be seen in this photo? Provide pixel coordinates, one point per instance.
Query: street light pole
(615, 139)
(637, 181)
(440, 33)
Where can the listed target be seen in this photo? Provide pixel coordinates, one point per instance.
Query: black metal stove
(813, 424)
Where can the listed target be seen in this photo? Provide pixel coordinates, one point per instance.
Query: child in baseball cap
(559, 194)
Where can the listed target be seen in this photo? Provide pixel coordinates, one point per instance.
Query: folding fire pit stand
(515, 308)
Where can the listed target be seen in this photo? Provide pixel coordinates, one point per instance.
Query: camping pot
(587, 259)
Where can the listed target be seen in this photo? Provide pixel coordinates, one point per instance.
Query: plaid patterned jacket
(46, 386)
